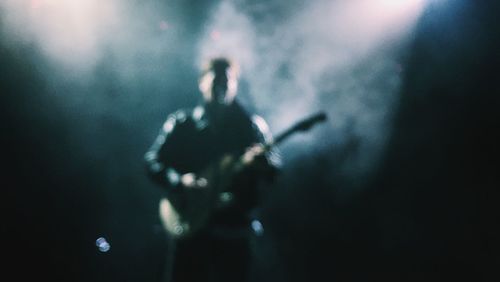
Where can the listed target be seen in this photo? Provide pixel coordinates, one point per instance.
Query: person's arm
(158, 167)
(158, 158)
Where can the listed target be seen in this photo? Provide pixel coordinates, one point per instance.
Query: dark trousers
(209, 257)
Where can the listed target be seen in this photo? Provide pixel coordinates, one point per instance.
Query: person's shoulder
(177, 118)
(188, 114)
(261, 126)
(259, 122)
(181, 115)
(265, 135)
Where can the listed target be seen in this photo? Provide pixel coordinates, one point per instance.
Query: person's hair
(220, 64)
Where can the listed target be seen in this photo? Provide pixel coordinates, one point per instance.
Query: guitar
(182, 214)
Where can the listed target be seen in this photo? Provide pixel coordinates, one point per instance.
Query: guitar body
(187, 212)
(173, 221)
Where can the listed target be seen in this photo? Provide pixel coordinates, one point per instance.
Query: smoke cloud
(342, 57)
(118, 59)
(101, 59)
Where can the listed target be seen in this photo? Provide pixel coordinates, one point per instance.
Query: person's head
(219, 81)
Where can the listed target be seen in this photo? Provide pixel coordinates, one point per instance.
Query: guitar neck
(302, 125)
(281, 137)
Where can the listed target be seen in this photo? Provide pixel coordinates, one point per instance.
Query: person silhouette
(212, 165)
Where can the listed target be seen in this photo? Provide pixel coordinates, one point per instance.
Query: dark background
(428, 212)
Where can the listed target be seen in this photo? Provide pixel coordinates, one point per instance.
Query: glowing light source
(399, 9)
(163, 25)
(71, 32)
(35, 4)
(400, 3)
(257, 227)
(367, 24)
(404, 11)
(102, 244)
(215, 35)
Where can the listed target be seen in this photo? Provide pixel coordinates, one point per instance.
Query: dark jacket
(191, 140)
